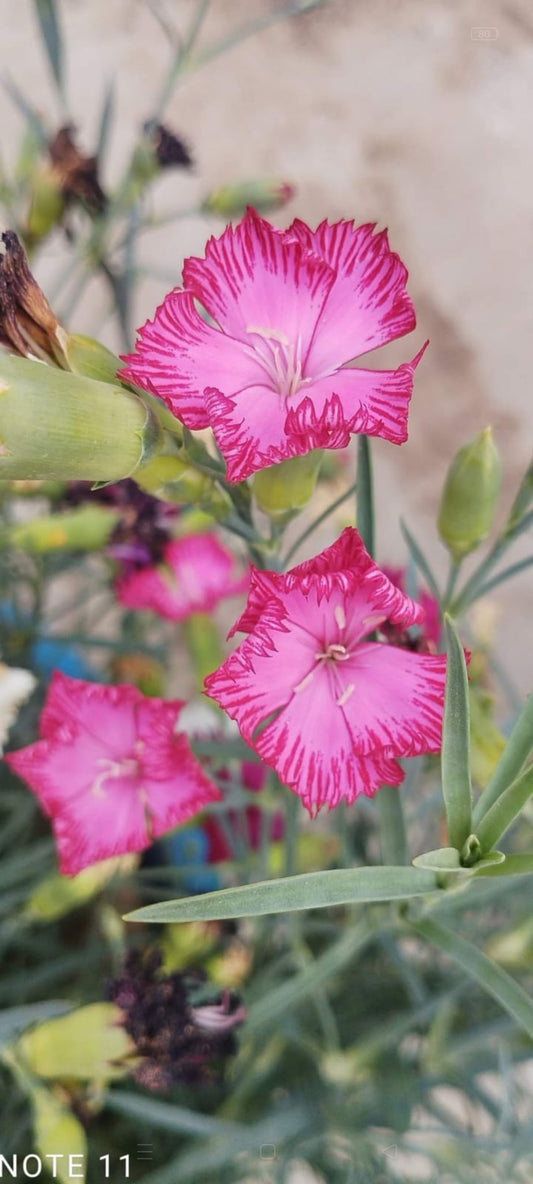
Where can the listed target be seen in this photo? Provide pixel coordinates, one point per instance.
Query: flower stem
(455, 567)
(365, 494)
(393, 837)
(309, 530)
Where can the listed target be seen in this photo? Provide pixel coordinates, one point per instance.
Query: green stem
(496, 821)
(513, 759)
(455, 567)
(309, 530)
(392, 833)
(455, 758)
(365, 494)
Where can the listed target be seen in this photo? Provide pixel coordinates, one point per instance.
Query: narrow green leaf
(512, 761)
(496, 821)
(521, 504)
(455, 763)
(106, 119)
(166, 1116)
(47, 16)
(515, 865)
(365, 494)
(312, 890)
(30, 114)
(209, 1160)
(475, 963)
(501, 577)
(420, 560)
(269, 1010)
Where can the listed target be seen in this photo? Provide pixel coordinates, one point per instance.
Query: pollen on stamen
(346, 695)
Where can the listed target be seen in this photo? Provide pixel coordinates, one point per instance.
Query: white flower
(16, 686)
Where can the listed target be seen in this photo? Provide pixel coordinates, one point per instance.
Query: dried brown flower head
(176, 1041)
(76, 174)
(28, 325)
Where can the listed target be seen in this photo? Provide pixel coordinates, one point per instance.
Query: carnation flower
(197, 572)
(292, 309)
(110, 770)
(424, 638)
(324, 705)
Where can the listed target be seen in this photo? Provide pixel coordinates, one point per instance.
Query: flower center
(334, 652)
(281, 358)
(128, 767)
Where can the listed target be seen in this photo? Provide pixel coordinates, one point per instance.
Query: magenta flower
(335, 710)
(196, 574)
(110, 770)
(292, 309)
(427, 637)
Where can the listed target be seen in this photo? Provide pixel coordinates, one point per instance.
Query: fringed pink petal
(178, 355)
(196, 575)
(368, 305)
(253, 278)
(353, 401)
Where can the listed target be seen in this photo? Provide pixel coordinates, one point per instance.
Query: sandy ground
(403, 113)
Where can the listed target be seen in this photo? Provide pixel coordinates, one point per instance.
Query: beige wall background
(398, 111)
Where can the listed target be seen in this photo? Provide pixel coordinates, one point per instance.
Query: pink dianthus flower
(197, 572)
(327, 708)
(110, 770)
(291, 309)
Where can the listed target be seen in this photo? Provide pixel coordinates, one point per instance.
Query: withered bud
(170, 150)
(76, 175)
(176, 1042)
(28, 325)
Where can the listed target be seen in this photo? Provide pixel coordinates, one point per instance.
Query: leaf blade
(475, 963)
(48, 19)
(310, 890)
(512, 760)
(456, 783)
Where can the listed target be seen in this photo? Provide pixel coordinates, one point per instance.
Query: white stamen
(340, 616)
(305, 682)
(111, 769)
(269, 334)
(346, 695)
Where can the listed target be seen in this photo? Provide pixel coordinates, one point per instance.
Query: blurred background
(414, 114)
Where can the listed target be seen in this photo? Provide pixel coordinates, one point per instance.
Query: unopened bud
(64, 426)
(91, 358)
(264, 194)
(28, 325)
(87, 528)
(470, 496)
(283, 490)
(47, 206)
(177, 480)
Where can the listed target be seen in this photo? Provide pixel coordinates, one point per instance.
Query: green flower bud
(47, 206)
(87, 528)
(62, 426)
(177, 480)
(90, 358)
(265, 194)
(283, 490)
(470, 496)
